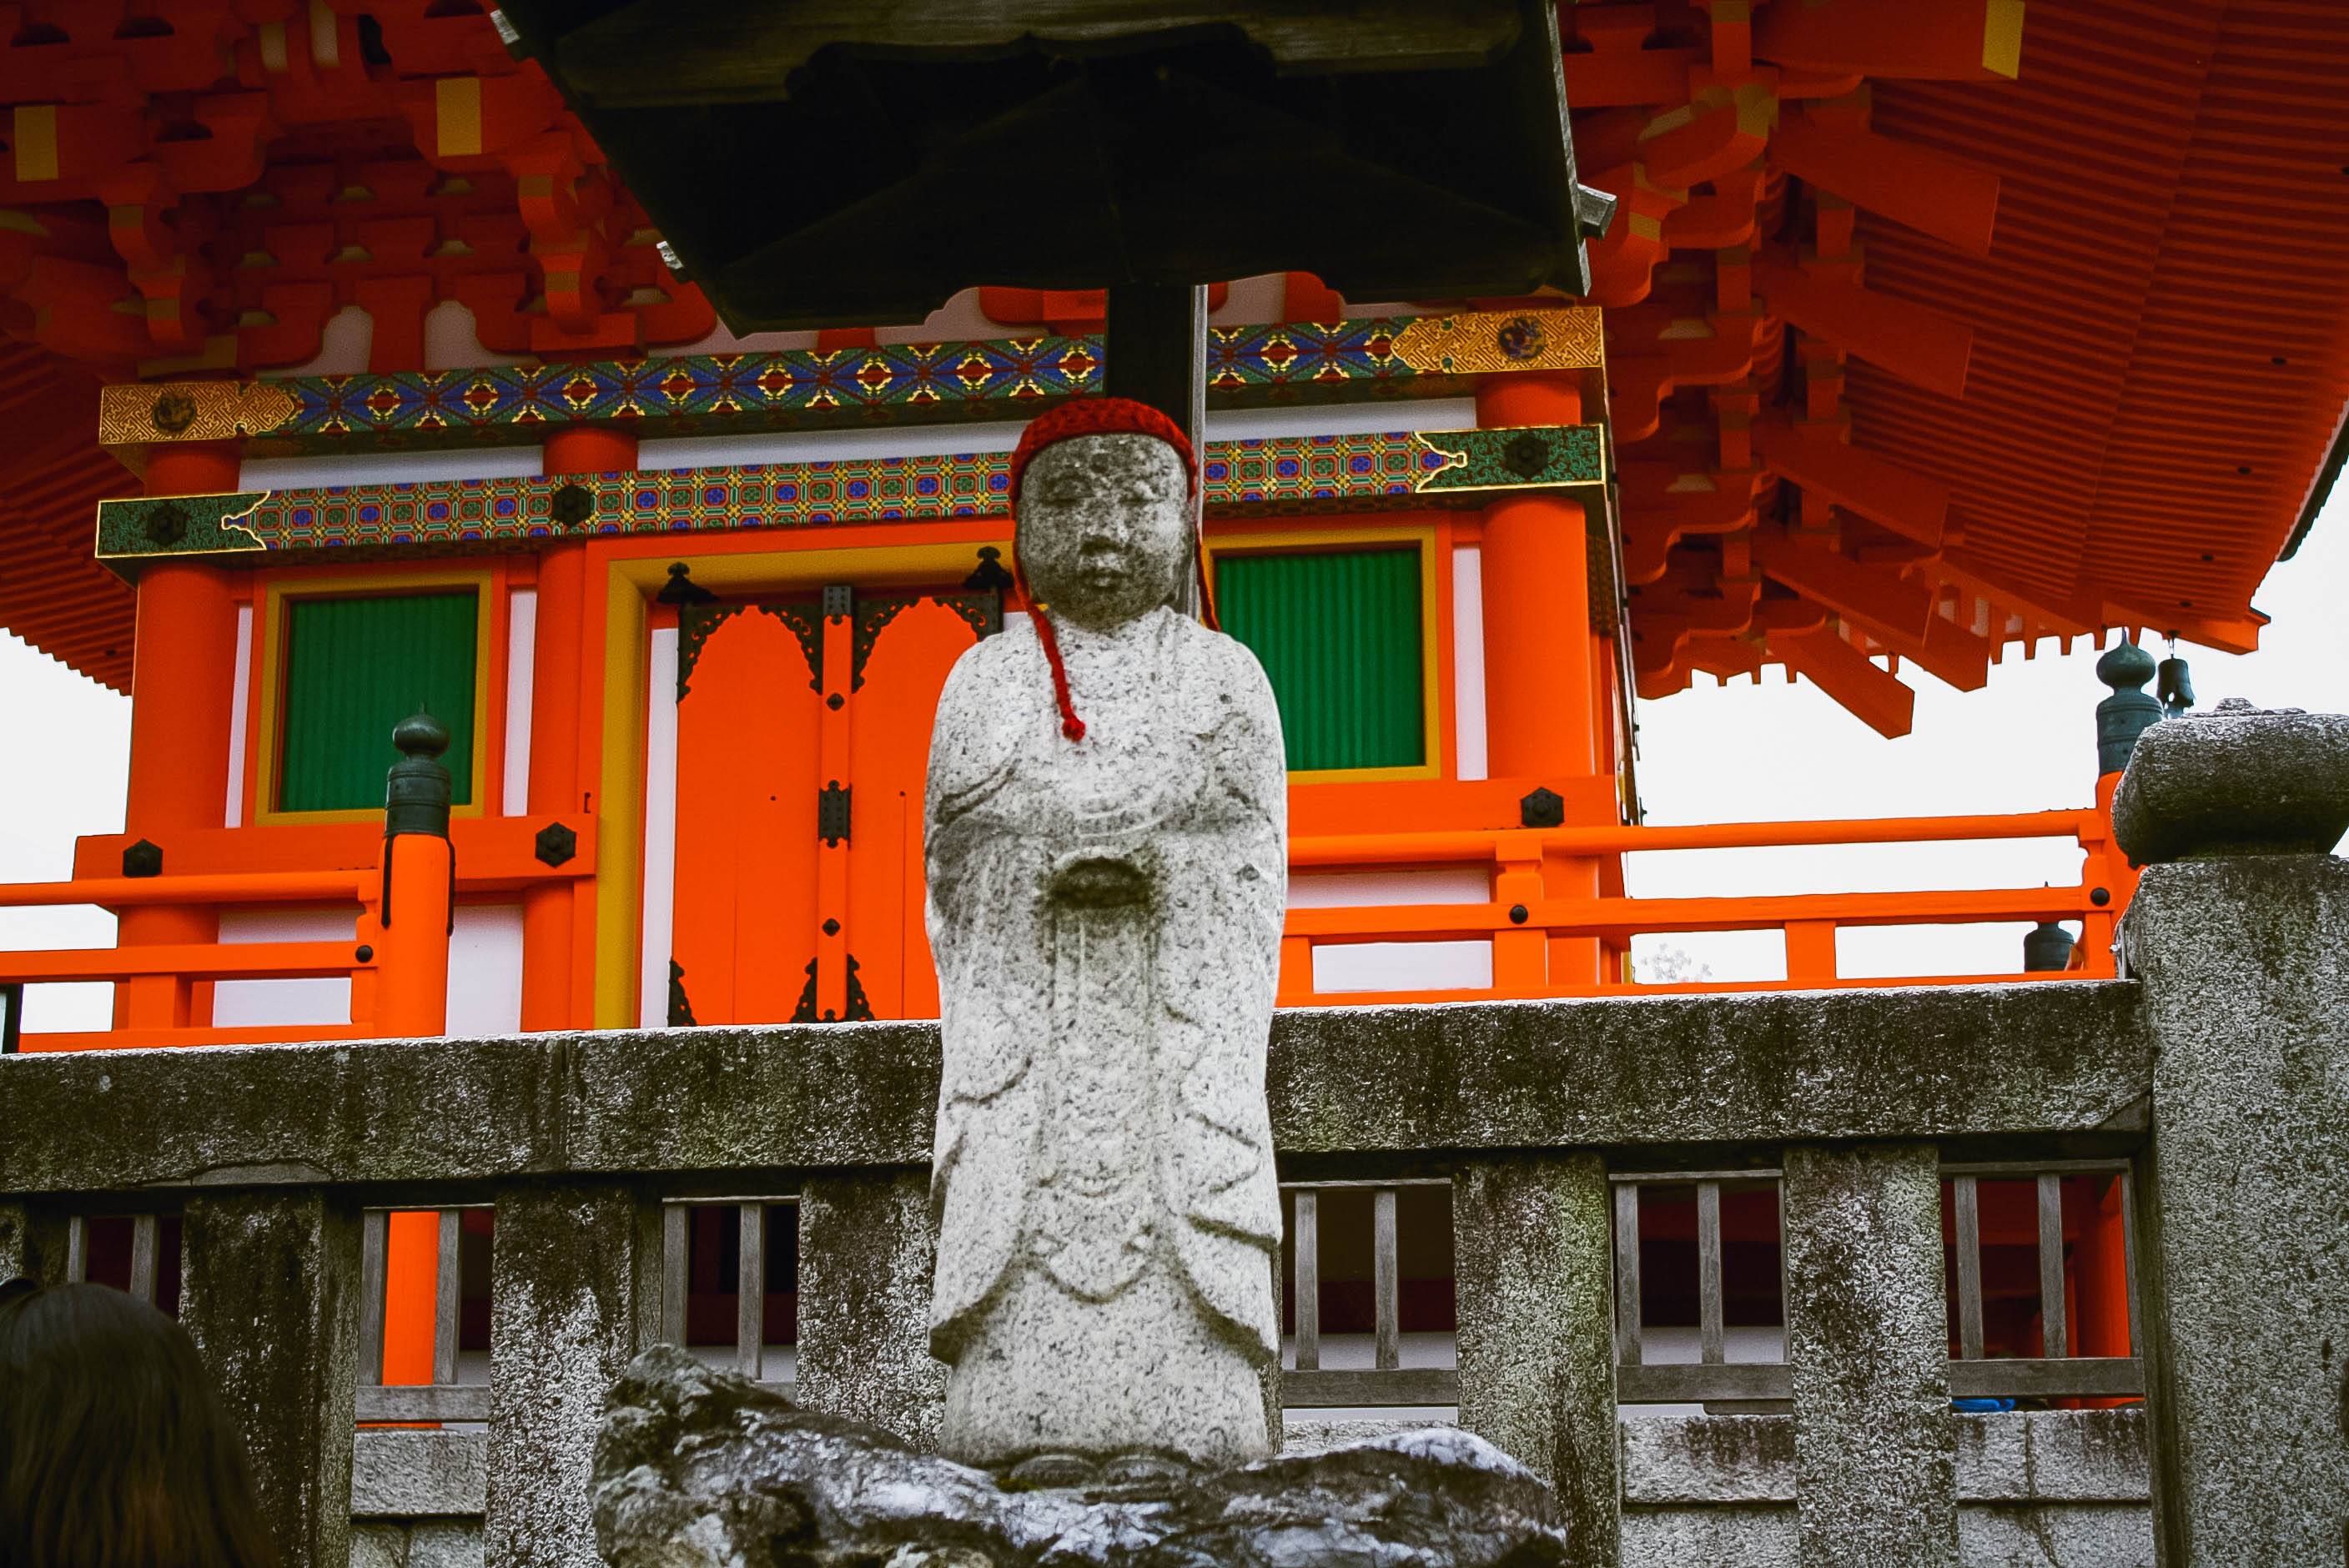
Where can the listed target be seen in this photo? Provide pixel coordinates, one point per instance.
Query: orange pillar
(551, 910)
(182, 666)
(411, 938)
(411, 1279)
(1540, 654)
(412, 952)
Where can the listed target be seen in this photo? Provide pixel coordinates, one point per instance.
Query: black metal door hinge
(832, 814)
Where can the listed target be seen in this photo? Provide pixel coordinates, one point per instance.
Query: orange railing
(181, 965)
(1522, 920)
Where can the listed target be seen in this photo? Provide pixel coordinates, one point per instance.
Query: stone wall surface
(2021, 1455)
(2246, 1283)
(396, 1473)
(418, 1544)
(270, 1294)
(867, 1246)
(565, 1313)
(1597, 1071)
(1532, 1241)
(1874, 1443)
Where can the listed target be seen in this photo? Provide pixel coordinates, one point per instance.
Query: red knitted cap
(1099, 417)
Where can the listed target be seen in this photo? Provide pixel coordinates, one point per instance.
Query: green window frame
(354, 666)
(1341, 634)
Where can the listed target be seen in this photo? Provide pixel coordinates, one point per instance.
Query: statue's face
(1104, 530)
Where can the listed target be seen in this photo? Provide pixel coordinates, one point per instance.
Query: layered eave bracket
(1875, 399)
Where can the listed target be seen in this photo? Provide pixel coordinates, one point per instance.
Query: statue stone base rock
(701, 1468)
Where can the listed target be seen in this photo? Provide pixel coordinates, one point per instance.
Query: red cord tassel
(1071, 725)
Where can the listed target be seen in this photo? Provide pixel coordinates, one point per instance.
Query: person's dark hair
(114, 1450)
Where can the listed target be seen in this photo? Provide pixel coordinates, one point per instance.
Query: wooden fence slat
(675, 1261)
(2051, 1267)
(375, 1240)
(750, 1293)
(142, 1257)
(1627, 1274)
(1387, 1284)
(1708, 1273)
(1307, 1246)
(1683, 1383)
(1970, 1282)
(448, 1300)
(1360, 1387)
(2046, 1377)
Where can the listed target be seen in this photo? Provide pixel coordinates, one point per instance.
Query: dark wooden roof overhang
(833, 163)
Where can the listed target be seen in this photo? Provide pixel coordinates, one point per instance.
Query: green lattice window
(357, 666)
(1339, 635)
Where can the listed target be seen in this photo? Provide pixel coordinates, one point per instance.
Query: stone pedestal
(270, 1296)
(700, 1467)
(867, 1246)
(2244, 1247)
(572, 1278)
(1531, 1249)
(1875, 1441)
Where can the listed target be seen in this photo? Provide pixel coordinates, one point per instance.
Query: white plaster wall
(484, 971)
(1396, 966)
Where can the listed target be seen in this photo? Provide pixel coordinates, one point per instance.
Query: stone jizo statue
(1106, 842)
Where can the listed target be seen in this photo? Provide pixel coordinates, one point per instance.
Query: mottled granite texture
(868, 1249)
(1532, 1245)
(699, 1469)
(1874, 1443)
(1105, 912)
(270, 1294)
(566, 1302)
(2244, 1248)
(2237, 780)
(1991, 1062)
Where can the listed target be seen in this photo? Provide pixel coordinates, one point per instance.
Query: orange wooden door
(814, 715)
(909, 643)
(747, 753)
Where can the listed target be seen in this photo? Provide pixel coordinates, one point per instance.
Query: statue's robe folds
(1109, 1212)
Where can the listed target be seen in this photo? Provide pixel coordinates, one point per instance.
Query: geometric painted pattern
(1273, 475)
(816, 388)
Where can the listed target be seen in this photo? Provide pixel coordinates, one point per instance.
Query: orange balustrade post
(411, 931)
(1811, 951)
(1541, 657)
(551, 911)
(419, 880)
(183, 667)
(1519, 957)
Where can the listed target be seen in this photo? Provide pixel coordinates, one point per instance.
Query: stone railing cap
(2236, 780)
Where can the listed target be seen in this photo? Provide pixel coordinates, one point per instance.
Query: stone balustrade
(2219, 1071)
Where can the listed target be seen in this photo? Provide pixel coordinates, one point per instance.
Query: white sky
(1714, 754)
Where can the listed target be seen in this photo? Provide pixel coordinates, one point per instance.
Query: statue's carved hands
(1099, 878)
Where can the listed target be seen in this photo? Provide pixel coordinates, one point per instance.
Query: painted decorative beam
(1270, 476)
(814, 389)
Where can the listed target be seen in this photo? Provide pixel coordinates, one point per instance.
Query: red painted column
(1540, 654)
(551, 911)
(183, 665)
